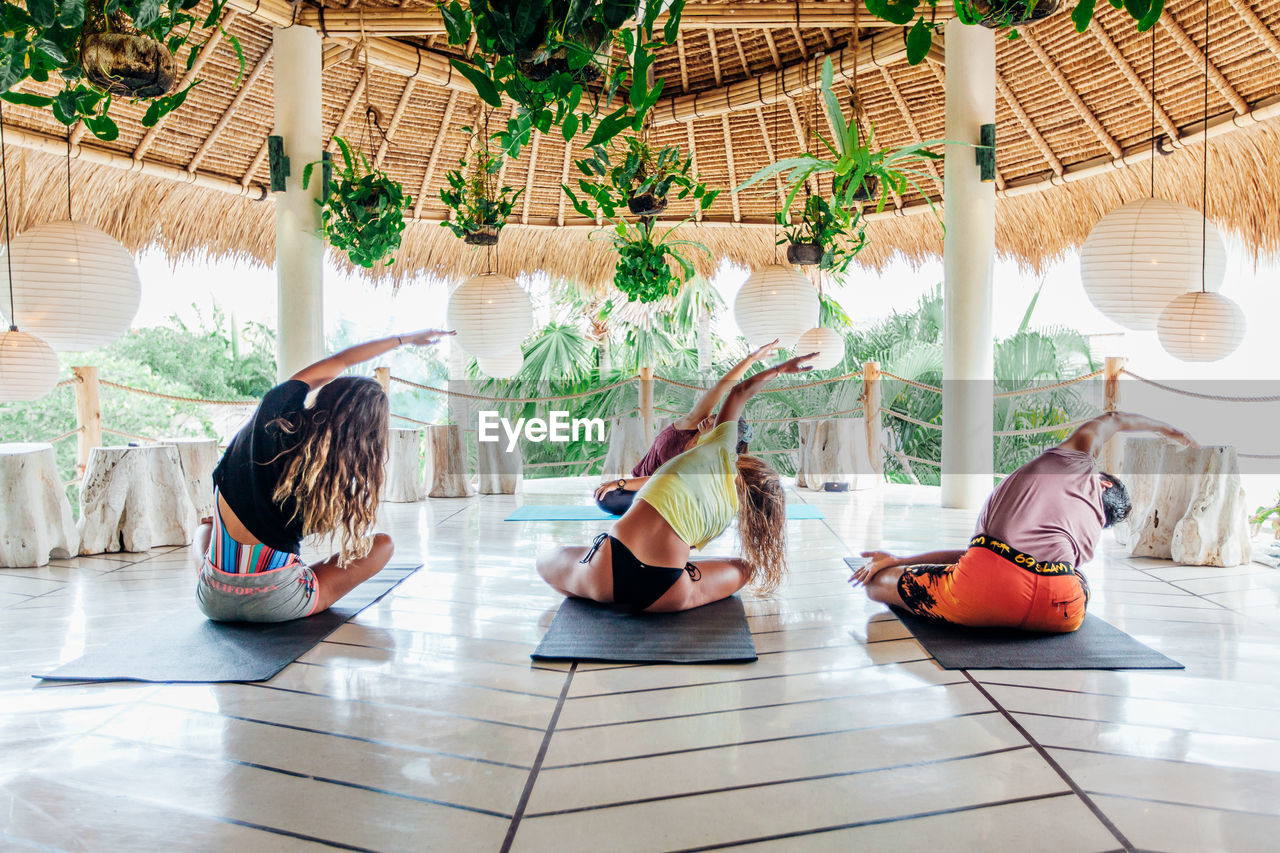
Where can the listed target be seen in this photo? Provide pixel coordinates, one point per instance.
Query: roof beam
(768, 150)
(800, 139)
(693, 165)
(356, 98)
(684, 67)
(436, 148)
(1264, 33)
(1073, 96)
(773, 49)
(742, 54)
(1028, 126)
(401, 105)
(564, 180)
(1194, 53)
(715, 57)
(907, 119)
(733, 172)
(528, 179)
(245, 87)
(1144, 92)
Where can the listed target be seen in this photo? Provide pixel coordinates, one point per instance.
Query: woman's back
(694, 492)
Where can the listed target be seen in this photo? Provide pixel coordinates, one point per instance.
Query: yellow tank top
(694, 492)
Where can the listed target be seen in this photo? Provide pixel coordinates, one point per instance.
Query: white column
(299, 245)
(968, 250)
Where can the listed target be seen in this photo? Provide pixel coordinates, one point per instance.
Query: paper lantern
(502, 366)
(74, 286)
(491, 314)
(776, 302)
(28, 367)
(827, 343)
(1201, 327)
(1144, 254)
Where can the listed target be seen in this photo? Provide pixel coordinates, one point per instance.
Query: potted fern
(823, 237)
(638, 178)
(651, 265)
(362, 209)
(480, 206)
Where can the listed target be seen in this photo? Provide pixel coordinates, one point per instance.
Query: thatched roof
(1073, 121)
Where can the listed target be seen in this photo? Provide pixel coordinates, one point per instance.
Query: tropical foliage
(840, 235)
(646, 257)
(480, 205)
(362, 208)
(641, 173)
(90, 46)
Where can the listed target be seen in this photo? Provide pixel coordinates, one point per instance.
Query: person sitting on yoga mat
(298, 470)
(643, 562)
(1021, 569)
(615, 496)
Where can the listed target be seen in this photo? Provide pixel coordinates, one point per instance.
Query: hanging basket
(804, 254)
(129, 65)
(646, 204)
(869, 191)
(485, 235)
(997, 14)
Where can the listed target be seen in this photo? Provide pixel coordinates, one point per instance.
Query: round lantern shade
(827, 343)
(74, 286)
(28, 367)
(1143, 254)
(776, 302)
(491, 314)
(1201, 327)
(502, 366)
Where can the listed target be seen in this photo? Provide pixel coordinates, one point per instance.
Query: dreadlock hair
(335, 471)
(762, 522)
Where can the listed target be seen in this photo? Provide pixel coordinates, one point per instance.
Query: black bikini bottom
(636, 586)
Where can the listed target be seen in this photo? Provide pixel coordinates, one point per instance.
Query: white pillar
(299, 245)
(968, 250)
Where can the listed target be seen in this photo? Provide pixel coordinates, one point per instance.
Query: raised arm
(328, 369)
(711, 398)
(736, 402)
(1090, 437)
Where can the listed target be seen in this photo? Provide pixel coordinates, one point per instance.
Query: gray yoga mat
(586, 631)
(187, 647)
(558, 512)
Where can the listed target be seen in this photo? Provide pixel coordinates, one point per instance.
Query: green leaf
(919, 41)
(102, 127)
(27, 99)
(43, 12)
(900, 12)
(569, 127)
(609, 127)
(457, 22)
(64, 107)
(1082, 14)
(145, 13)
(479, 80)
(51, 50)
(71, 14)
(1148, 20)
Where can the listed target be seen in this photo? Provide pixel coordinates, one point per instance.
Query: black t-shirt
(255, 459)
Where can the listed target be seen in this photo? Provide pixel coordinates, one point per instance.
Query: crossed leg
(719, 577)
(883, 587)
(334, 581)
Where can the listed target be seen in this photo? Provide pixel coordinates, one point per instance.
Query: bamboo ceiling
(1073, 130)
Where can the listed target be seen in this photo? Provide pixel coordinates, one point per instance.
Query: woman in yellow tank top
(643, 562)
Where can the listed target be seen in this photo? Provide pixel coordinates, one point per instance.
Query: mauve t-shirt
(1050, 508)
(669, 444)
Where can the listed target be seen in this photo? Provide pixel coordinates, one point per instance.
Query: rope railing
(567, 463)
(917, 459)
(1039, 430)
(174, 397)
(1051, 387)
(911, 382)
(65, 435)
(900, 416)
(857, 412)
(1217, 398)
(790, 387)
(1275, 456)
(547, 399)
(131, 435)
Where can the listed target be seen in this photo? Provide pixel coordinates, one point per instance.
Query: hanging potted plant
(999, 14)
(101, 49)
(641, 181)
(553, 59)
(651, 266)
(362, 209)
(823, 237)
(480, 206)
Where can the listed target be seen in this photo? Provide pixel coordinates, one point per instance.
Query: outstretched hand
(796, 365)
(765, 351)
(880, 560)
(425, 337)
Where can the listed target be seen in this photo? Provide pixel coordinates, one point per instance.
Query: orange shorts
(985, 589)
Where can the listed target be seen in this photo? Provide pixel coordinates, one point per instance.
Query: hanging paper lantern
(827, 343)
(1201, 327)
(502, 366)
(491, 314)
(776, 302)
(74, 286)
(1143, 254)
(28, 367)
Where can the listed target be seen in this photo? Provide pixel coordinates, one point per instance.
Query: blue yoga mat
(557, 512)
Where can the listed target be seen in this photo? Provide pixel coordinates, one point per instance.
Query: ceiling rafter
(693, 164)
(768, 150)
(401, 106)
(1046, 151)
(1263, 32)
(1073, 96)
(715, 57)
(564, 179)
(795, 32)
(529, 176)
(742, 54)
(684, 67)
(355, 99)
(908, 120)
(1144, 91)
(773, 49)
(243, 92)
(827, 37)
(1194, 53)
(206, 52)
(436, 149)
(733, 172)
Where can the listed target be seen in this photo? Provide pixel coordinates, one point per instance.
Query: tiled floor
(422, 725)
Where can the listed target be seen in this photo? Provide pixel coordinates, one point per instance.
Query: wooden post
(88, 414)
(1111, 451)
(646, 402)
(871, 413)
(383, 375)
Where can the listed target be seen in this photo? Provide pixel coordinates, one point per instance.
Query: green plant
(839, 231)
(645, 258)
(998, 14)
(853, 163)
(74, 38)
(640, 172)
(362, 208)
(478, 202)
(552, 58)
(1268, 512)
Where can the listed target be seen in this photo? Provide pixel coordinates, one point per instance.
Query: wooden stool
(449, 475)
(403, 481)
(198, 457)
(35, 515)
(627, 446)
(134, 499)
(834, 450)
(501, 471)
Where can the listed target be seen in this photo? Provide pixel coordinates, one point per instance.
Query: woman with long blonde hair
(644, 563)
(297, 470)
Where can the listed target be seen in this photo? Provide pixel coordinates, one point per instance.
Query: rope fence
(911, 382)
(999, 395)
(1217, 398)
(1039, 430)
(174, 397)
(65, 435)
(547, 399)
(900, 416)
(131, 435)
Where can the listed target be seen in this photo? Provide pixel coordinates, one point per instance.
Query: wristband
(399, 341)
(622, 484)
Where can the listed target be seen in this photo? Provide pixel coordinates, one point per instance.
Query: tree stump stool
(627, 446)
(198, 457)
(1188, 504)
(834, 450)
(403, 481)
(449, 475)
(35, 515)
(501, 471)
(134, 499)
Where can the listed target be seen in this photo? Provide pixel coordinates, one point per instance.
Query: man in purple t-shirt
(1021, 569)
(615, 496)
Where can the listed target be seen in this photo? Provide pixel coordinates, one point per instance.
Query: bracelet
(622, 484)
(399, 341)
